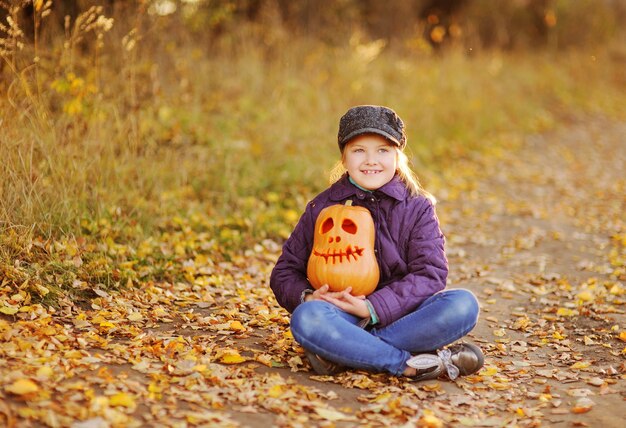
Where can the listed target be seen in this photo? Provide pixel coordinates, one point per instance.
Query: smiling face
(370, 160)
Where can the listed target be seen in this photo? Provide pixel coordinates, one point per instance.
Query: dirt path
(538, 234)
(533, 240)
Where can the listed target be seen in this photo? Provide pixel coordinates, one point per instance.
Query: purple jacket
(409, 248)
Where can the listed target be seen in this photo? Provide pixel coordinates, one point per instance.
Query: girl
(404, 325)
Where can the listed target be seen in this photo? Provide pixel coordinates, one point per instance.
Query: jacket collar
(343, 189)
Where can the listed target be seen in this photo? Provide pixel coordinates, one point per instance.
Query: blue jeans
(326, 330)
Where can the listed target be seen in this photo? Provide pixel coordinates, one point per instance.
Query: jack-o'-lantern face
(334, 235)
(343, 250)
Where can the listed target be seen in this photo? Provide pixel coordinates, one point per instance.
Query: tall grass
(131, 119)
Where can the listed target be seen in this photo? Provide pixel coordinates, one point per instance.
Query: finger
(335, 294)
(322, 290)
(329, 299)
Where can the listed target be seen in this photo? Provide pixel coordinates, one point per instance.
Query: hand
(317, 294)
(345, 301)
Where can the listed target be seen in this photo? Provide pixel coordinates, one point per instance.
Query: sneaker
(459, 359)
(322, 366)
(428, 366)
(467, 357)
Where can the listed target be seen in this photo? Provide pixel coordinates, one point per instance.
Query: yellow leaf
(545, 397)
(622, 336)
(8, 310)
(276, 391)
(232, 358)
(432, 387)
(44, 372)
(237, 326)
(160, 312)
(382, 397)
(135, 316)
(41, 289)
(500, 332)
(585, 296)
(488, 371)
(565, 312)
(580, 365)
(521, 323)
(38, 5)
(264, 359)
(73, 354)
(499, 386)
(22, 387)
(122, 399)
(558, 336)
(429, 420)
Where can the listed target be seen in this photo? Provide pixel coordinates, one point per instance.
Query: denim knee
(464, 304)
(309, 318)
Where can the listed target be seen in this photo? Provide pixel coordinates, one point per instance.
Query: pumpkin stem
(349, 203)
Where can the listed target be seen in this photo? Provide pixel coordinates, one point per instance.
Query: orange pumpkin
(343, 250)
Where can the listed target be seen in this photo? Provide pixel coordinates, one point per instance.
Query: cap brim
(369, 131)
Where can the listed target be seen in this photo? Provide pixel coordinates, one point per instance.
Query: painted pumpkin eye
(349, 226)
(327, 225)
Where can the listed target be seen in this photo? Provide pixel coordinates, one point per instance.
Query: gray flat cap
(368, 119)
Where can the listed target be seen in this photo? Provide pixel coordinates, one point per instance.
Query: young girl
(404, 325)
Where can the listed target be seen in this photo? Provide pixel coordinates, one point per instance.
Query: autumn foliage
(155, 154)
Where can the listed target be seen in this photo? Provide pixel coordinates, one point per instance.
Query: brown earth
(537, 233)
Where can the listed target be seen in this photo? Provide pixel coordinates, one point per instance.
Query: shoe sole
(320, 367)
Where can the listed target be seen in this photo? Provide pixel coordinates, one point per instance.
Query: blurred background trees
(477, 24)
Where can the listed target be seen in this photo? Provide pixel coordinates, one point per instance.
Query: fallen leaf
(333, 415)
(595, 381)
(276, 391)
(44, 372)
(583, 405)
(8, 310)
(488, 371)
(232, 358)
(122, 399)
(579, 392)
(236, 326)
(581, 365)
(135, 316)
(429, 420)
(565, 312)
(22, 387)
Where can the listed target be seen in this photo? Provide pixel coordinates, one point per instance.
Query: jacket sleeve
(428, 271)
(288, 279)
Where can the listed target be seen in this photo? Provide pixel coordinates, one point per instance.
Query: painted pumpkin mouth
(336, 256)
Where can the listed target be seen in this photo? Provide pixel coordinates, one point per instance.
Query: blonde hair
(404, 171)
